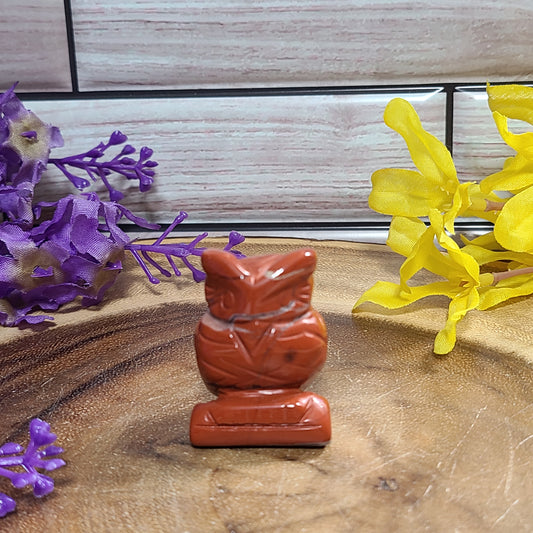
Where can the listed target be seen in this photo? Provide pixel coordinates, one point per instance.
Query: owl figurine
(259, 342)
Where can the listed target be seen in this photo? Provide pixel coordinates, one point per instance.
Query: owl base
(262, 418)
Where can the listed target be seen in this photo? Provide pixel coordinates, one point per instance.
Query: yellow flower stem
(493, 206)
(484, 204)
(498, 276)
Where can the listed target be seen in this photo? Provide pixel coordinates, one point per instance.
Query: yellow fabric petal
(461, 264)
(513, 101)
(391, 295)
(459, 306)
(400, 192)
(516, 175)
(454, 264)
(487, 240)
(404, 233)
(424, 255)
(461, 202)
(514, 226)
(521, 142)
(430, 155)
(483, 256)
(521, 285)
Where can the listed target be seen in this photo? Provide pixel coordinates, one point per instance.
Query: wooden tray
(420, 442)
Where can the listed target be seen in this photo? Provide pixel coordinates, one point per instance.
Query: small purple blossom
(88, 162)
(27, 134)
(40, 454)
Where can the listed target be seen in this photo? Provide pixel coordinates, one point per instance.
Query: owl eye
(227, 300)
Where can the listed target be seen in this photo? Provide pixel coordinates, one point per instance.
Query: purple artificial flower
(78, 250)
(40, 454)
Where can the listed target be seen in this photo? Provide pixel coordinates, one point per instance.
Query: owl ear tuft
(220, 263)
(303, 259)
(308, 257)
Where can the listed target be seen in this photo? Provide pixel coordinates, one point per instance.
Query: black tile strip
(449, 118)
(228, 92)
(71, 47)
(449, 88)
(243, 227)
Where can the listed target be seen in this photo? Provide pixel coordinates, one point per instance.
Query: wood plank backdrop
(237, 43)
(247, 159)
(250, 158)
(33, 45)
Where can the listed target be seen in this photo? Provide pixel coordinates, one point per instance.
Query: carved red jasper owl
(257, 345)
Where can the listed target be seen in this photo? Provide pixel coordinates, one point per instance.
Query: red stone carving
(258, 344)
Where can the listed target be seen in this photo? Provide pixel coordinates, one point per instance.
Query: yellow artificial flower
(410, 237)
(434, 191)
(515, 102)
(411, 193)
(513, 228)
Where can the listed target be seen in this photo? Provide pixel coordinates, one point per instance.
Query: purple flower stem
(155, 264)
(197, 274)
(178, 220)
(142, 264)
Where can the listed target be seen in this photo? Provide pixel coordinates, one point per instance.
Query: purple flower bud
(51, 451)
(21, 480)
(145, 153)
(127, 150)
(53, 464)
(117, 137)
(234, 239)
(96, 152)
(7, 504)
(145, 186)
(115, 196)
(40, 432)
(9, 448)
(42, 486)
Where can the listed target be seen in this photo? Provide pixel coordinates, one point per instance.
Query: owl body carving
(257, 345)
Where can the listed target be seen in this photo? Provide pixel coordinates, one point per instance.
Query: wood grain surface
(420, 442)
(216, 43)
(246, 159)
(33, 41)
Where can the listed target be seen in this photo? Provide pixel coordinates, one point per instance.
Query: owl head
(260, 287)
